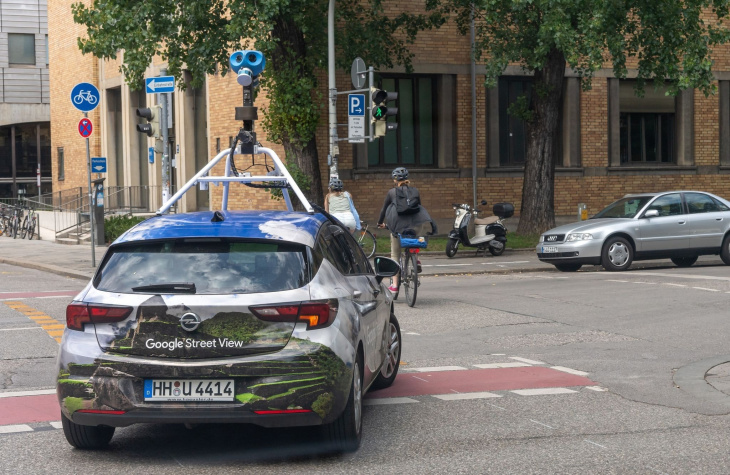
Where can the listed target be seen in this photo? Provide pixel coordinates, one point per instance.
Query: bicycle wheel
(14, 227)
(24, 228)
(410, 278)
(367, 242)
(31, 228)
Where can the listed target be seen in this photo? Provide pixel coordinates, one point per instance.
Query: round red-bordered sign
(85, 127)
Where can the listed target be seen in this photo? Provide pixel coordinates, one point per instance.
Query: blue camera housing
(252, 60)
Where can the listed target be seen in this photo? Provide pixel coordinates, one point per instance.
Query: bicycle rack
(248, 65)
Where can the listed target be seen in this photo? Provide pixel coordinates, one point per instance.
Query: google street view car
(274, 318)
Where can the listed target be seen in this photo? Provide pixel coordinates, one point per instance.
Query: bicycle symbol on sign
(84, 96)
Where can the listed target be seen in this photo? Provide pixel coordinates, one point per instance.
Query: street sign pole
(165, 154)
(91, 201)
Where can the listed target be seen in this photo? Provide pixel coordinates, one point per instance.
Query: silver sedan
(680, 225)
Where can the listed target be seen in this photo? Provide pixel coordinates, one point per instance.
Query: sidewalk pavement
(75, 261)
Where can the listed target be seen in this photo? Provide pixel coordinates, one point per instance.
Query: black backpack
(407, 200)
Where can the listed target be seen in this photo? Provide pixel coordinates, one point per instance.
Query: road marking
(46, 322)
(614, 280)
(500, 263)
(37, 392)
(386, 401)
(675, 285)
(23, 328)
(445, 265)
(525, 360)
(43, 293)
(462, 396)
(591, 442)
(420, 379)
(412, 333)
(501, 365)
(536, 422)
(596, 388)
(703, 288)
(685, 276)
(435, 369)
(542, 391)
(570, 370)
(15, 428)
(57, 424)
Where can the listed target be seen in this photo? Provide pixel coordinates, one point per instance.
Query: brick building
(611, 142)
(25, 142)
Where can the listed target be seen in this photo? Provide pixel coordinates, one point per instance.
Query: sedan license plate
(188, 390)
(549, 249)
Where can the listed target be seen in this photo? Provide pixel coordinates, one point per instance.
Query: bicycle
(29, 225)
(365, 239)
(84, 96)
(3, 220)
(15, 222)
(408, 260)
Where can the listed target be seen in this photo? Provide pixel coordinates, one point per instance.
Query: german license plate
(549, 249)
(203, 390)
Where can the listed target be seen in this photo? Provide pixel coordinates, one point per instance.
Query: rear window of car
(214, 266)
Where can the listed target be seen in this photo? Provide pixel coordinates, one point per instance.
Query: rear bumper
(197, 417)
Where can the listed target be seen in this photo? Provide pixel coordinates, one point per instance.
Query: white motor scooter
(481, 233)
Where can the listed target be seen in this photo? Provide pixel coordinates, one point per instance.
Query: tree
(671, 41)
(198, 35)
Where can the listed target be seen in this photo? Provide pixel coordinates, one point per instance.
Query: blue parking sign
(356, 105)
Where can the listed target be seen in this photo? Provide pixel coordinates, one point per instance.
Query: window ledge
(417, 172)
(652, 170)
(519, 171)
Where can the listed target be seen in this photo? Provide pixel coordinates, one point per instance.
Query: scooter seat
(486, 221)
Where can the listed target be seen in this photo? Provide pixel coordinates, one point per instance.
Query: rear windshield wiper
(173, 287)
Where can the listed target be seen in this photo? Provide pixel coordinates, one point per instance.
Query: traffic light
(380, 111)
(152, 115)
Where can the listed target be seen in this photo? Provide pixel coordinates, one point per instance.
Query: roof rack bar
(290, 181)
(242, 179)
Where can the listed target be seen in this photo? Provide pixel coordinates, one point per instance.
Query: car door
(667, 232)
(706, 219)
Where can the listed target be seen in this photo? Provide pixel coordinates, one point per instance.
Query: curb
(691, 379)
(47, 268)
(495, 271)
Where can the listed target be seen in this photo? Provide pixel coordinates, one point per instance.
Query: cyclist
(339, 204)
(400, 223)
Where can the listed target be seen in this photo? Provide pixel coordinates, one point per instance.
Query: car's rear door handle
(682, 222)
(356, 294)
(718, 219)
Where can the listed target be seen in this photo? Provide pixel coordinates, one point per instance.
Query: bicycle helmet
(400, 174)
(336, 184)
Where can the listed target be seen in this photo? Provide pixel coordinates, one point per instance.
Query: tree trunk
(538, 203)
(290, 46)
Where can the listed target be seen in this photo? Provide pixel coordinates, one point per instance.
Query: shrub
(115, 226)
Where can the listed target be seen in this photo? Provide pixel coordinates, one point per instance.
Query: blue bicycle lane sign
(85, 97)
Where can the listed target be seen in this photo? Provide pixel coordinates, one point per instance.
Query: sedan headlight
(579, 237)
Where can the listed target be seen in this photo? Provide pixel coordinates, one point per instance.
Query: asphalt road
(532, 372)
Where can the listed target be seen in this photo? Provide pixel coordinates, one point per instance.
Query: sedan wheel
(345, 432)
(392, 357)
(617, 254)
(684, 261)
(725, 251)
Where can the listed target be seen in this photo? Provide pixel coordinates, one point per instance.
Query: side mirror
(652, 213)
(484, 202)
(385, 267)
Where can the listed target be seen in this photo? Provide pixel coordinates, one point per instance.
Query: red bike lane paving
(479, 380)
(28, 409)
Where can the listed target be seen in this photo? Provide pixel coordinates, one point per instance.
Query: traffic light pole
(334, 149)
(165, 155)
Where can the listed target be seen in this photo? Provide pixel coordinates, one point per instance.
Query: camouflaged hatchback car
(272, 318)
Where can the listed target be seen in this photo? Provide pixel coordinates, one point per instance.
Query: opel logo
(552, 238)
(190, 322)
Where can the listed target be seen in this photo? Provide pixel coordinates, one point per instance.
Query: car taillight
(316, 314)
(78, 314)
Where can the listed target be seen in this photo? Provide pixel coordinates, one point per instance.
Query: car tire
(684, 261)
(451, 247)
(617, 254)
(86, 437)
(725, 251)
(568, 267)
(345, 433)
(389, 371)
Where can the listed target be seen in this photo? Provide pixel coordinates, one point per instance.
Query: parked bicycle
(15, 222)
(4, 216)
(366, 239)
(30, 225)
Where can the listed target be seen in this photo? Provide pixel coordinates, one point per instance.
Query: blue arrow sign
(160, 84)
(151, 154)
(356, 105)
(85, 97)
(98, 164)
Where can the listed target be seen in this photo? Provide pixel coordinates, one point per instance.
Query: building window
(646, 125)
(21, 48)
(414, 143)
(61, 172)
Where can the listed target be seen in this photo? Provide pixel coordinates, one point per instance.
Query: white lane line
(16, 329)
(38, 392)
(445, 265)
(499, 263)
(536, 422)
(424, 380)
(525, 360)
(569, 370)
(703, 288)
(435, 369)
(596, 388)
(412, 333)
(497, 354)
(498, 407)
(388, 400)
(500, 365)
(542, 391)
(462, 396)
(56, 424)
(614, 280)
(675, 285)
(15, 428)
(685, 276)
(591, 442)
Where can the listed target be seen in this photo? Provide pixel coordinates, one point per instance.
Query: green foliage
(521, 109)
(303, 180)
(115, 226)
(73, 404)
